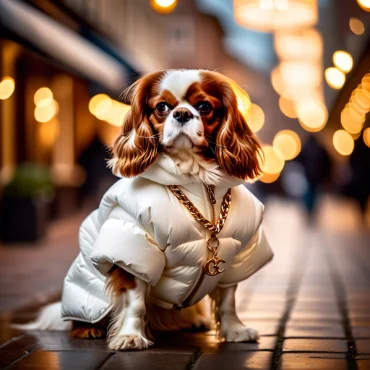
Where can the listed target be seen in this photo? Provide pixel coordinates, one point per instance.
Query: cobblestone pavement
(311, 306)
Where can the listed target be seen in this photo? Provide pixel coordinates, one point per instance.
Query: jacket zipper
(212, 200)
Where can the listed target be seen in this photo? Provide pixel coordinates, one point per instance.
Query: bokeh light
(364, 4)
(44, 113)
(343, 142)
(243, 99)
(163, 6)
(270, 15)
(269, 178)
(335, 77)
(356, 26)
(366, 136)
(366, 82)
(273, 160)
(343, 60)
(298, 45)
(7, 87)
(287, 107)
(95, 100)
(288, 143)
(43, 96)
(107, 109)
(312, 115)
(256, 118)
(349, 122)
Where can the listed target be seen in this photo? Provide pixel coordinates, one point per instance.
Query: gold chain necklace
(212, 266)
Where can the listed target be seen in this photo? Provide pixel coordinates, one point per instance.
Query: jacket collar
(190, 171)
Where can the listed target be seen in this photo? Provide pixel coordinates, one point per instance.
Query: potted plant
(24, 207)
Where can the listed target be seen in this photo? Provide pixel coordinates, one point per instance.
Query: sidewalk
(311, 306)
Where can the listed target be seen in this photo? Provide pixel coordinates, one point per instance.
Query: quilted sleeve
(127, 245)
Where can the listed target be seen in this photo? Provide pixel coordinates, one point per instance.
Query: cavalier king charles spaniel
(191, 116)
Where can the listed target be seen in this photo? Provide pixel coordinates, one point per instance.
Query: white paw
(129, 342)
(240, 334)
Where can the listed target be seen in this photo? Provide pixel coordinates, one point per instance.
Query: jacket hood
(186, 168)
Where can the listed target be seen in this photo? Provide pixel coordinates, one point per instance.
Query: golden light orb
(256, 118)
(243, 99)
(288, 143)
(335, 77)
(299, 44)
(343, 142)
(7, 87)
(163, 6)
(118, 112)
(269, 178)
(312, 115)
(366, 82)
(362, 98)
(343, 60)
(364, 4)
(273, 15)
(43, 96)
(103, 109)
(44, 113)
(366, 136)
(273, 160)
(287, 107)
(95, 100)
(356, 26)
(349, 123)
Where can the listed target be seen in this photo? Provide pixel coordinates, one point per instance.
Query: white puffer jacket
(141, 227)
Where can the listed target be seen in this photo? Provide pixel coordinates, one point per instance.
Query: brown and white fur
(193, 116)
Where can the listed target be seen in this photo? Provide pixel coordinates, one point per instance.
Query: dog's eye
(204, 107)
(162, 108)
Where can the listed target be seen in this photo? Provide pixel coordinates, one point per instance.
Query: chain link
(194, 211)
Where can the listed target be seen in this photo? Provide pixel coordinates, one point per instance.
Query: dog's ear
(137, 146)
(238, 150)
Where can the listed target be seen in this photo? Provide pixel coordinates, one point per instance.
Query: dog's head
(192, 110)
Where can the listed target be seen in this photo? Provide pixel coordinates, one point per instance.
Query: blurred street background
(306, 67)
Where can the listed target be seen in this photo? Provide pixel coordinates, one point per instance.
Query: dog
(177, 227)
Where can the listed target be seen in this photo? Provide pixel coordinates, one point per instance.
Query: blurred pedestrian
(317, 167)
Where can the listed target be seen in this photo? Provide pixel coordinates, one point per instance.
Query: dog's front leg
(127, 329)
(231, 328)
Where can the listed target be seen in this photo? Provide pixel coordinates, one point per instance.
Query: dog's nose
(182, 115)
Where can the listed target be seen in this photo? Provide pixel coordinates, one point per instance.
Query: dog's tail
(49, 318)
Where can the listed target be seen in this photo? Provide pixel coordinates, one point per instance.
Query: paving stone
(234, 361)
(311, 361)
(363, 364)
(361, 331)
(64, 360)
(264, 327)
(7, 357)
(315, 345)
(363, 346)
(314, 332)
(315, 315)
(147, 360)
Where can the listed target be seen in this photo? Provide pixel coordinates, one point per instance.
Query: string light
(343, 142)
(366, 136)
(364, 4)
(163, 6)
(7, 87)
(43, 96)
(343, 60)
(273, 160)
(256, 118)
(356, 26)
(335, 78)
(288, 143)
(312, 115)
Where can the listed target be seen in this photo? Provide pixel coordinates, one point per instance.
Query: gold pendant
(212, 266)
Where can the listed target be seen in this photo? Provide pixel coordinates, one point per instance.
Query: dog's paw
(240, 334)
(129, 342)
